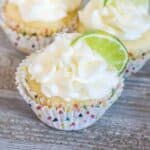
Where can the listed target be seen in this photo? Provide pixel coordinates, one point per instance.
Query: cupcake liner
(1, 5)
(30, 43)
(70, 117)
(136, 64)
(25, 43)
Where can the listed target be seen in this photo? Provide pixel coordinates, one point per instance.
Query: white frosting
(72, 72)
(125, 19)
(43, 10)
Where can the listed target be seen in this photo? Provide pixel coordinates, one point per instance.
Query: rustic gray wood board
(125, 126)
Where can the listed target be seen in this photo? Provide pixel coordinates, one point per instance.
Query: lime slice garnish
(107, 2)
(108, 46)
(141, 3)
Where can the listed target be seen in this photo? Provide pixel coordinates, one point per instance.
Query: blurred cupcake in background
(30, 24)
(69, 85)
(126, 19)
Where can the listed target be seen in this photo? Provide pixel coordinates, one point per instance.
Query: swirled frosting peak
(75, 72)
(44, 10)
(127, 19)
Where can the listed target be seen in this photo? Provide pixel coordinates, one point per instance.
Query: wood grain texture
(125, 126)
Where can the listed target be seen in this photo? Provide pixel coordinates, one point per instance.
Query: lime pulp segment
(108, 46)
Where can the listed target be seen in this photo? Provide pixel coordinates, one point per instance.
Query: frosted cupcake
(69, 85)
(30, 24)
(126, 19)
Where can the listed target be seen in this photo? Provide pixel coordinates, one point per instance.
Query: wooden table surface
(125, 126)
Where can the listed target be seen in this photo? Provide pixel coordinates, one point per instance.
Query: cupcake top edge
(72, 72)
(128, 20)
(45, 10)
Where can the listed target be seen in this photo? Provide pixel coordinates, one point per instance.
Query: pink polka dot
(49, 118)
(92, 116)
(38, 107)
(87, 112)
(73, 124)
(60, 112)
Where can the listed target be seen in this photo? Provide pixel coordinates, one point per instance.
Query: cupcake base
(135, 65)
(29, 43)
(68, 118)
(24, 43)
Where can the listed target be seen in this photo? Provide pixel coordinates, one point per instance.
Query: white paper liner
(74, 119)
(135, 65)
(29, 44)
(26, 44)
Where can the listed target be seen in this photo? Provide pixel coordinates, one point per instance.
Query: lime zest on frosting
(108, 46)
(136, 2)
(106, 2)
(72, 72)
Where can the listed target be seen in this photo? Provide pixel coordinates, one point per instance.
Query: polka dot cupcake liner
(70, 117)
(24, 43)
(135, 65)
(30, 43)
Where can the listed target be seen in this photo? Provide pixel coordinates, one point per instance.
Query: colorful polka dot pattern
(29, 44)
(25, 43)
(135, 65)
(71, 119)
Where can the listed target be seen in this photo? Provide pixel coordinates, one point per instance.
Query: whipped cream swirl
(44, 10)
(126, 19)
(75, 72)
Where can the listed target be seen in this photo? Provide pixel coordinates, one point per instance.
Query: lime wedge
(108, 46)
(138, 3)
(106, 2)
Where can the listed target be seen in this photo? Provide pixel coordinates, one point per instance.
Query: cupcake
(68, 84)
(126, 19)
(30, 24)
